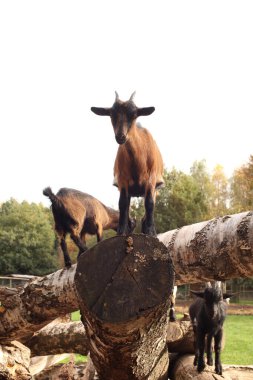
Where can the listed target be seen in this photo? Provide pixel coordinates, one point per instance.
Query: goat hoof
(124, 231)
(210, 361)
(68, 265)
(148, 230)
(218, 370)
(201, 367)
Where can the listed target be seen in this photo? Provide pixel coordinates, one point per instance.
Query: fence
(14, 280)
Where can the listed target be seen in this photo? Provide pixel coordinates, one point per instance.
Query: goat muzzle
(121, 139)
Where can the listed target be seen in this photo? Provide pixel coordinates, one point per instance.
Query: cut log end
(121, 277)
(123, 286)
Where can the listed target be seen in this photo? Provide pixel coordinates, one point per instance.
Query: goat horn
(132, 96)
(117, 96)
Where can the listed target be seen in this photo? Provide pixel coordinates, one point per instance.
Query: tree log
(183, 369)
(219, 249)
(123, 285)
(71, 337)
(180, 337)
(58, 339)
(14, 362)
(39, 363)
(38, 303)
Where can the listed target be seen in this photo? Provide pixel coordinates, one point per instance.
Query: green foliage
(182, 201)
(241, 185)
(219, 193)
(27, 239)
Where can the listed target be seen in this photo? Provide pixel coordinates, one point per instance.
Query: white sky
(192, 60)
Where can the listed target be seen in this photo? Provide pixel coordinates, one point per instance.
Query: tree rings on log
(123, 286)
(123, 276)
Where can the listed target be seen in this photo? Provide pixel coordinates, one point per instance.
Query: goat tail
(48, 193)
(58, 204)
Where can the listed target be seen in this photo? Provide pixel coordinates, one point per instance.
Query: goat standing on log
(78, 214)
(138, 168)
(208, 313)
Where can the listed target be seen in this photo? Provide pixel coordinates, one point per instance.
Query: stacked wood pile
(122, 287)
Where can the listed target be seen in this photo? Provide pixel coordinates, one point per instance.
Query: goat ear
(101, 111)
(198, 294)
(145, 111)
(227, 295)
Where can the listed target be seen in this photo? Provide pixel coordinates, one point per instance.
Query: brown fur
(138, 167)
(138, 163)
(78, 214)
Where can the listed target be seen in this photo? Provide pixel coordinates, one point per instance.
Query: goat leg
(209, 349)
(124, 202)
(80, 244)
(217, 349)
(201, 348)
(148, 225)
(64, 248)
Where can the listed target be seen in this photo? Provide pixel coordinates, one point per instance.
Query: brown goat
(138, 168)
(78, 214)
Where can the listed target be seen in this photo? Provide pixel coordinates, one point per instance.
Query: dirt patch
(233, 308)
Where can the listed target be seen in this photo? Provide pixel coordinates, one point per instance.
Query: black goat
(208, 313)
(78, 214)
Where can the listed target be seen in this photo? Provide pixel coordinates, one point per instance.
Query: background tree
(182, 201)
(219, 192)
(27, 239)
(241, 188)
(202, 177)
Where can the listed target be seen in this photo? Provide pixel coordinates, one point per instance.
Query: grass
(75, 316)
(238, 340)
(238, 330)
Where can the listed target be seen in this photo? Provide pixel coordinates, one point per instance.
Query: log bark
(218, 249)
(123, 286)
(180, 337)
(213, 250)
(38, 303)
(58, 339)
(71, 337)
(183, 369)
(38, 364)
(14, 362)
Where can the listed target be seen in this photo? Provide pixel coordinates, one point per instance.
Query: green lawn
(238, 340)
(238, 331)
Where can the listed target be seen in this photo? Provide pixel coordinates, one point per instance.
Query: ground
(233, 308)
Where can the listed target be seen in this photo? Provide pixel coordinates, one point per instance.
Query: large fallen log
(183, 369)
(180, 337)
(38, 303)
(123, 286)
(59, 338)
(218, 249)
(71, 337)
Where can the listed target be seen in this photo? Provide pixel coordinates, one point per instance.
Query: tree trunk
(219, 249)
(71, 337)
(38, 303)
(38, 364)
(59, 338)
(14, 362)
(123, 286)
(183, 369)
(180, 337)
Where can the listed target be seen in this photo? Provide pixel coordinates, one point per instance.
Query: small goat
(208, 313)
(138, 167)
(78, 214)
